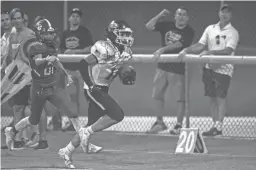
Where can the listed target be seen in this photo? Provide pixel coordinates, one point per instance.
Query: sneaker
(18, 145)
(157, 127)
(4, 147)
(9, 137)
(176, 130)
(42, 144)
(67, 157)
(85, 137)
(94, 148)
(212, 132)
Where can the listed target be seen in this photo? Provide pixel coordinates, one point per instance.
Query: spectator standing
(6, 28)
(218, 39)
(175, 36)
(16, 41)
(77, 39)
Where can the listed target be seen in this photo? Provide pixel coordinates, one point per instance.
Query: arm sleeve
(204, 38)
(32, 47)
(233, 39)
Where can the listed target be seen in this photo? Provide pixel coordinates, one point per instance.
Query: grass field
(131, 151)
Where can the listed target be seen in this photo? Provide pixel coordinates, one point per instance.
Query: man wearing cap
(218, 39)
(77, 39)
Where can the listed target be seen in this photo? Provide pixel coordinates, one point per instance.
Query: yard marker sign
(190, 141)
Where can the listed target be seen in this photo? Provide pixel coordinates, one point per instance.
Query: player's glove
(127, 75)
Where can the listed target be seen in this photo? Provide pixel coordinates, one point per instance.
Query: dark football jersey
(46, 74)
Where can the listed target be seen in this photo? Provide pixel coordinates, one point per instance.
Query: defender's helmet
(45, 32)
(120, 33)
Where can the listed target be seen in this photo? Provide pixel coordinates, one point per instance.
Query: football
(127, 75)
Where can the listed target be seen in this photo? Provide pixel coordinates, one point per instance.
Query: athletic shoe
(9, 138)
(176, 130)
(67, 157)
(212, 132)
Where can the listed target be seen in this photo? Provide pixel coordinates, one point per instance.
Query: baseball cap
(76, 10)
(226, 6)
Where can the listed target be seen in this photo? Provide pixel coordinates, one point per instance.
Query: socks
(89, 130)
(15, 131)
(76, 123)
(70, 147)
(22, 124)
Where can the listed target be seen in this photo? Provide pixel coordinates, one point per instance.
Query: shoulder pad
(102, 50)
(35, 47)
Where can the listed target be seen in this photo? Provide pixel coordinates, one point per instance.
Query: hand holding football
(127, 75)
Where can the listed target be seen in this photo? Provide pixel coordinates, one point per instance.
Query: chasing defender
(46, 79)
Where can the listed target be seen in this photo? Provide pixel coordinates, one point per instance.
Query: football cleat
(9, 137)
(94, 148)
(4, 147)
(42, 144)
(212, 132)
(33, 141)
(18, 145)
(67, 157)
(157, 127)
(176, 130)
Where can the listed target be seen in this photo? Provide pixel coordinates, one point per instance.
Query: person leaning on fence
(219, 39)
(175, 36)
(77, 39)
(20, 34)
(6, 28)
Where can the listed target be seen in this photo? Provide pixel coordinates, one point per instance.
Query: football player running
(98, 70)
(46, 79)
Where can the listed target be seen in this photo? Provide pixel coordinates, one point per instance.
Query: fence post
(187, 95)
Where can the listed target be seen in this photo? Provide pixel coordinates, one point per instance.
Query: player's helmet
(120, 33)
(45, 32)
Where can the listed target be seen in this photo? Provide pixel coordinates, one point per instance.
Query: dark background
(136, 100)
(98, 14)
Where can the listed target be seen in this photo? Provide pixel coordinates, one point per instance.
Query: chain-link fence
(140, 114)
(237, 127)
